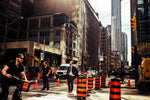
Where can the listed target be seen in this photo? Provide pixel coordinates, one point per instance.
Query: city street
(60, 92)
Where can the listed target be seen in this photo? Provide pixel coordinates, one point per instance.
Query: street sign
(42, 56)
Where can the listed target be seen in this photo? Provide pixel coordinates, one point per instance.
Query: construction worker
(9, 73)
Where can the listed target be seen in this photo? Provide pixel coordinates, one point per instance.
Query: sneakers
(43, 89)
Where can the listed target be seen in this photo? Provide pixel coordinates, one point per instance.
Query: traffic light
(133, 23)
(133, 49)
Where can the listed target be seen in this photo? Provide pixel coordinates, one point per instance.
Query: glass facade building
(143, 20)
(116, 25)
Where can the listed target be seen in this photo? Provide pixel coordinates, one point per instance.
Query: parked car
(62, 71)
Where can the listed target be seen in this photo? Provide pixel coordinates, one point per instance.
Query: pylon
(66, 81)
(128, 81)
(36, 84)
(75, 81)
(58, 82)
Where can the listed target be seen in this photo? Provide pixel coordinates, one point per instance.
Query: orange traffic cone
(66, 81)
(75, 81)
(58, 82)
(128, 81)
(36, 84)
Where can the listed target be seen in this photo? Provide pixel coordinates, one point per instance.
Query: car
(62, 71)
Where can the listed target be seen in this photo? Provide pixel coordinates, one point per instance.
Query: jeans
(70, 83)
(45, 82)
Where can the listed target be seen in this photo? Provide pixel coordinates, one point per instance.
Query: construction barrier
(26, 86)
(36, 84)
(75, 82)
(81, 88)
(128, 82)
(115, 90)
(58, 83)
(97, 82)
(103, 80)
(90, 83)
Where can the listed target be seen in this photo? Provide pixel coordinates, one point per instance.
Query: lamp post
(5, 35)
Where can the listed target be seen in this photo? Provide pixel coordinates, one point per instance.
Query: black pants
(6, 83)
(70, 83)
(45, 82)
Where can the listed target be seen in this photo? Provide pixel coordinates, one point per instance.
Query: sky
(103, 7)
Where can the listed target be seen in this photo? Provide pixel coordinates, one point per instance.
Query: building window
(57, 35)
(140, 1)
(67, 34)
(33, 36)
(71, 36)
(70, 51)
(66, 51)
(74, 45)
(140, 12)
(45, 22)
(103, 34)
(57, 44)
(34, 23)
(70, 44)
(44, 35)
(149, 12)
(74, 53)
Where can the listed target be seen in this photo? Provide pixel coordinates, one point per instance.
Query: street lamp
(6, 29)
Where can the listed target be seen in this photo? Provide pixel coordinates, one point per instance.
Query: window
(57, 44)
(57, 35)
(70, 51)
(71, 36)
(74, 53)
(33, 36)
(140, 1)
(149, 12)
(140, 12)
(103, 34)
(44, 35)
(74, 45)
(33, 23)
(70, 44)
(45, 22)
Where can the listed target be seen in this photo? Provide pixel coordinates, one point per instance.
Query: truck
(143, 83)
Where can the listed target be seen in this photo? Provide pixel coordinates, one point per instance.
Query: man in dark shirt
(71, 73)
(46, 70)
(13, 68)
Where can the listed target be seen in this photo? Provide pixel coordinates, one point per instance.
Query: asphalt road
(60, 92)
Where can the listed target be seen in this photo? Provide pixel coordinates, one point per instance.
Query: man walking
(46, 70)
(71, 73)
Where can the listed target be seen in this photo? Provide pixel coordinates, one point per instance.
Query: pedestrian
(121, 75)
(9, 77)
(89, 72)
(104, 72)
(46, 70)
(71, 74)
